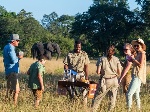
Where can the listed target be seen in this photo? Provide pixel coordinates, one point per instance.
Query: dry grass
(56, 103)
(52, 66)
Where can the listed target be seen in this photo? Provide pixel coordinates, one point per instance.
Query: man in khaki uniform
(109, 68)
(78, 61)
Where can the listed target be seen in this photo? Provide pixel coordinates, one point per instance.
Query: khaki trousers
(80, 76)
(105, 86)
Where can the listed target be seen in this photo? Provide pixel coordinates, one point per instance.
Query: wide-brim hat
(135, 42)
(14, 37)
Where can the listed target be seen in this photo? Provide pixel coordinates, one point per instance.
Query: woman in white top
(138, 72)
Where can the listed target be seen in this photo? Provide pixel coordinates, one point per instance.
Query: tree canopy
(105, 22)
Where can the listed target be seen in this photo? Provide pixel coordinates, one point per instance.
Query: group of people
(11, 64)
(112, 72)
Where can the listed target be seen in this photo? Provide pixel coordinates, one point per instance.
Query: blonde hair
(133, 51)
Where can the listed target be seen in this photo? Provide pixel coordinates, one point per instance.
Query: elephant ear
(37, 50)
(40, 47)
(34, 50)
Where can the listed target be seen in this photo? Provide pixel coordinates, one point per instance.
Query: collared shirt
(11, 61)
(110, 68)
(76, 61)
(35, 69)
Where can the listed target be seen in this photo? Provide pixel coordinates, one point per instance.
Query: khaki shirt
(76, 61)
(109, 69)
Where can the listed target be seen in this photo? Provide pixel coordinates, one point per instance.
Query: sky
(41, 7)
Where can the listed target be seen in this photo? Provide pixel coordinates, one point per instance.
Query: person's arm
(66, 61)
(98, 70)
(28, 72)
(41, 82)
(124, 72)
(12, 54)
(99, 65)
(86, 71)
(86, 67)
(141, 61)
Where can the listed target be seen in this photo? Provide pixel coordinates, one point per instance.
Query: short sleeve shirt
(76, 61)
(35, 69)
(110, 68)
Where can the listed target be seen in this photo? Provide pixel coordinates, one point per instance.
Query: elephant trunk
(58, 54)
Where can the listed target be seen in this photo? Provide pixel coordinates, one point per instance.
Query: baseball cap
(14, 37)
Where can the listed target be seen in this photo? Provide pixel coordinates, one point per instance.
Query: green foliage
(106, 22)
(103, 25)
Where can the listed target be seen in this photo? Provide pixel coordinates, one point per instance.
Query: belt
(110, 77)
(80, 72)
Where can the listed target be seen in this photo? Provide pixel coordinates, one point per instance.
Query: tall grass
(52, 102)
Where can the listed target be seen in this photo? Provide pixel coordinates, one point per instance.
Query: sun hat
(13, 37)
(135, 42)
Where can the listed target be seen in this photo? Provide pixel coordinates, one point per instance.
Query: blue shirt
(11, 61)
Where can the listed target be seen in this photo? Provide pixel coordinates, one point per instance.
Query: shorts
(37, 94)
(12, 81)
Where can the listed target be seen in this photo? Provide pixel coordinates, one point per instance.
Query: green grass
(52, 102)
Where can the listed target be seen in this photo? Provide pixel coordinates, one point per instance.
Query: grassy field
(52, 102)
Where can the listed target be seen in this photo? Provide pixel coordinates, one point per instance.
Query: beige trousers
(105, 86)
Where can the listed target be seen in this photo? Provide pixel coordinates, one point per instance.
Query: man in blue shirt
(11, 64)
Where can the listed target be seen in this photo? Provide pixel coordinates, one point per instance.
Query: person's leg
(99, 95)
(15, 96)
(137, 94)
(113, 93)
(38, 97)
(81, 77)
(34, 94)
(8, 87)
(14, 87)
(132, 88)
(85, 97)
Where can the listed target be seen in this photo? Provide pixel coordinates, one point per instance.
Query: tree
(57, 25)
(103, 25)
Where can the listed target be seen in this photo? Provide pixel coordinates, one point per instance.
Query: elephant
(46, 49)
(37, 49)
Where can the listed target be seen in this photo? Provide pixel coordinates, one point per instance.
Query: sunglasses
(17, 40)
(136, 45)
(125, 49)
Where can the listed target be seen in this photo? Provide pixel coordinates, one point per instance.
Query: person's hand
(86, 78)
(87, 81)
(119, 81)
(130, 58)
(20, 56)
